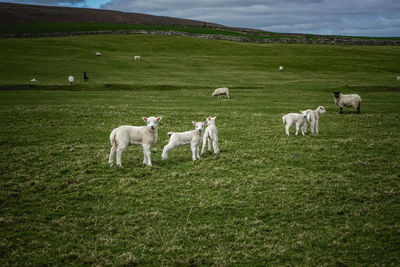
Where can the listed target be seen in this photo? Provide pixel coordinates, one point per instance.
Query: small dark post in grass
(85, 77)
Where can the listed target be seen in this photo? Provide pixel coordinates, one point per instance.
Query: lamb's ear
(144, 118)
(158, 119)
(194, 123)
(214, 117)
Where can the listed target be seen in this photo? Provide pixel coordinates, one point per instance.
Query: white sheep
(221, 91)
(299, 118)
(34, 80)
(71, 79)
(313, 119)
(342, 101)
(137, 58)
(210, 134)
(280, 68)
(98, 54)
(146, 136)
(184, 138)
(398, 78)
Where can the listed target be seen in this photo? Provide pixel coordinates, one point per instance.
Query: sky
(380, 18)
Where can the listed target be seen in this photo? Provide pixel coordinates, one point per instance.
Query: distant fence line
(318, 40)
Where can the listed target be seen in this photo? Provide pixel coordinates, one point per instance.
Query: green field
(267, 199)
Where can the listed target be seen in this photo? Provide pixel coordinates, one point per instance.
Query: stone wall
(300, 39)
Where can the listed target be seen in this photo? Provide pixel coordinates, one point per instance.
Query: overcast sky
(337, 17)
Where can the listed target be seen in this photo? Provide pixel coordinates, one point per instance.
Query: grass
(267, 199)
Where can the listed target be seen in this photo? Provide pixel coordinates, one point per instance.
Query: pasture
(267, 199)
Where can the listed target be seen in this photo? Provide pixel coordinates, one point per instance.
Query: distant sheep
(98, 54)
(146, 136)
(280, 68)
(299, 118)
(398, 78)
(185, 138)
(221, 91)
(71, 79)
(137, 58)
(210, 135)
(313, 119)
(342, 101)
(34, 80)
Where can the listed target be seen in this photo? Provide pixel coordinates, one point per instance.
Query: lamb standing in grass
(299, 118)
(71, 79)
(210, 134)
(98, 54)
(342, 101)
(221, 91)
(137, 58)
(184, 138)
(313, 119)
(280, 68)
(146, 136)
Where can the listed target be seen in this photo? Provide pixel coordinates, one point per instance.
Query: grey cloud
(50, 2)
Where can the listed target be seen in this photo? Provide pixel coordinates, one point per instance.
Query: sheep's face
(199, 125)
(322, 110)
(152, 122)
(336, 94)
(211, 120)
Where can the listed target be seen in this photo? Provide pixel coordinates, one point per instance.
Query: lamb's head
(152, 122)
(211, 120)
(321, 110)
(199, 125)
(336, 94)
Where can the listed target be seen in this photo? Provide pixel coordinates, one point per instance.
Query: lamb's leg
(312, 127)
(297, 128)
(205, 137)
(341, 110)
(227, 95)
(119, 155)
(209, 143)
(316, 127)
(358, 108)
(193, 148)
(302, 130)
(112, 154)
(215, 145)
(198, 150)
(287, 126)
(147, 154)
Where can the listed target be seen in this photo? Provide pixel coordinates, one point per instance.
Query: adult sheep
(352, 100)
(146, 136)
(221, 91)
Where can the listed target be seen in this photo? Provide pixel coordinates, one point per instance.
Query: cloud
(345, 17)
(79, 3)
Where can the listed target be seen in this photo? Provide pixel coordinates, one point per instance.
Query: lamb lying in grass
(210, 134)
(146, 136)
(299, 118)
(342, 101)
(184, 138)
(221, 91)
(313, 119)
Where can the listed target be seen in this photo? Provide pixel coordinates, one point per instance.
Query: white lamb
(98, 54)
(184, 138)
(313, 119)
(210, 134)
(299, 118)
(280, 68)
(71, 79)
(221, 91)
(146, 136)
(34, 80)
(137, 58)
(342, 101)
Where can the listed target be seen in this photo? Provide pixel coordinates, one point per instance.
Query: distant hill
(20, 13)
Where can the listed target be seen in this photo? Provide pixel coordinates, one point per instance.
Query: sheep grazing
(184, 138)
(146, 136)
(314, 117)
(85, 77)
(34, 80)
(398, 78)
(71, 79)
(137, 58)
(299, 118)
(280, 68)
(210, 134)
(221, 91)
(342, 101)
(98, 54)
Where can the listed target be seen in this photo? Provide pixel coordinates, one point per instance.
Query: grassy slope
(266, 199)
